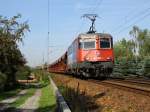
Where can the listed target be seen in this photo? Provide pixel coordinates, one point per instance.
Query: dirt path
(4, 104)
(32, 103)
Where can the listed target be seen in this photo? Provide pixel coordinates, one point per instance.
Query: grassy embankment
(47, 100)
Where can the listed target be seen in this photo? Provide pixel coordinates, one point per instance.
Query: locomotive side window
(89, 45)
(104, 43)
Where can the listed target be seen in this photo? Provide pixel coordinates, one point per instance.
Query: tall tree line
(132, 57)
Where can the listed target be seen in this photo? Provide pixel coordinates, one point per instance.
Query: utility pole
(48, 37)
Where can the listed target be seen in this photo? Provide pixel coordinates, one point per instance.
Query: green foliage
(23, 73)
(2, 80)
(11, 32)
(146, 67)
(131, 55)
(41, 76)
(121, 67)
(141, 41)
(132, 67)
(123, 48)
(4, 95)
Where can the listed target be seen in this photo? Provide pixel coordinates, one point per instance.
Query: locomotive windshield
(87, 45)
(104, 43)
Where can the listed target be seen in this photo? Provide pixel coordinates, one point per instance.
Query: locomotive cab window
(104, 43)
(89, 45)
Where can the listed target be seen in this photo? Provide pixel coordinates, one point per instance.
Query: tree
(144, 40)
(123, 48)
(135, 33)
(11, 33)
(141, 41)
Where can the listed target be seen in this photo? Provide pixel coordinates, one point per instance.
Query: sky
(116, 17)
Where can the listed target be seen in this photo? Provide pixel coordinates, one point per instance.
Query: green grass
(8, 94)
(22, 99)
(47, 100)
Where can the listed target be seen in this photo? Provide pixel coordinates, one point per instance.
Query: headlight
(109, 58)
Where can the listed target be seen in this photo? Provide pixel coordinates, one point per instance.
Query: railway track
(147, 82)
(139, 87)
(141, 83)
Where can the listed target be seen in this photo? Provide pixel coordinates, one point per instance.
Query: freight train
(89, 55)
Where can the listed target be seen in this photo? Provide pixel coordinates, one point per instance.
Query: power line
(132, 18)
(134, 22)
(99, 2)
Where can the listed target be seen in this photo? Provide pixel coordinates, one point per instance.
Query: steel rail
(124, 86)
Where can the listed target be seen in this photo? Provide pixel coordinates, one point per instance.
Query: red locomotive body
(90, 55)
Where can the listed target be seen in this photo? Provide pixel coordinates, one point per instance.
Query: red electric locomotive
(90, 55)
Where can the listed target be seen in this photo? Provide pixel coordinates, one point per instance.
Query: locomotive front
(96, 47)
(95, 56)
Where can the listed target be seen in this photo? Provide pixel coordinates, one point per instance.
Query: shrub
(23, 73)
(2, 80)
(41, 76)
(146, 67)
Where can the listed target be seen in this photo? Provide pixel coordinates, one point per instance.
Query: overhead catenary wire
(128, 18)
(142, 18)
(131, 19)
(98, 3)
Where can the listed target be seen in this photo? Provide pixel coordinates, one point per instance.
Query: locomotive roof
(100, 34)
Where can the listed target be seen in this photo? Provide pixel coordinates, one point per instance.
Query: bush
(41, 76)
(23, 73)
(120, 67)
(2, 80)
(131, 67)
(146, 67)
